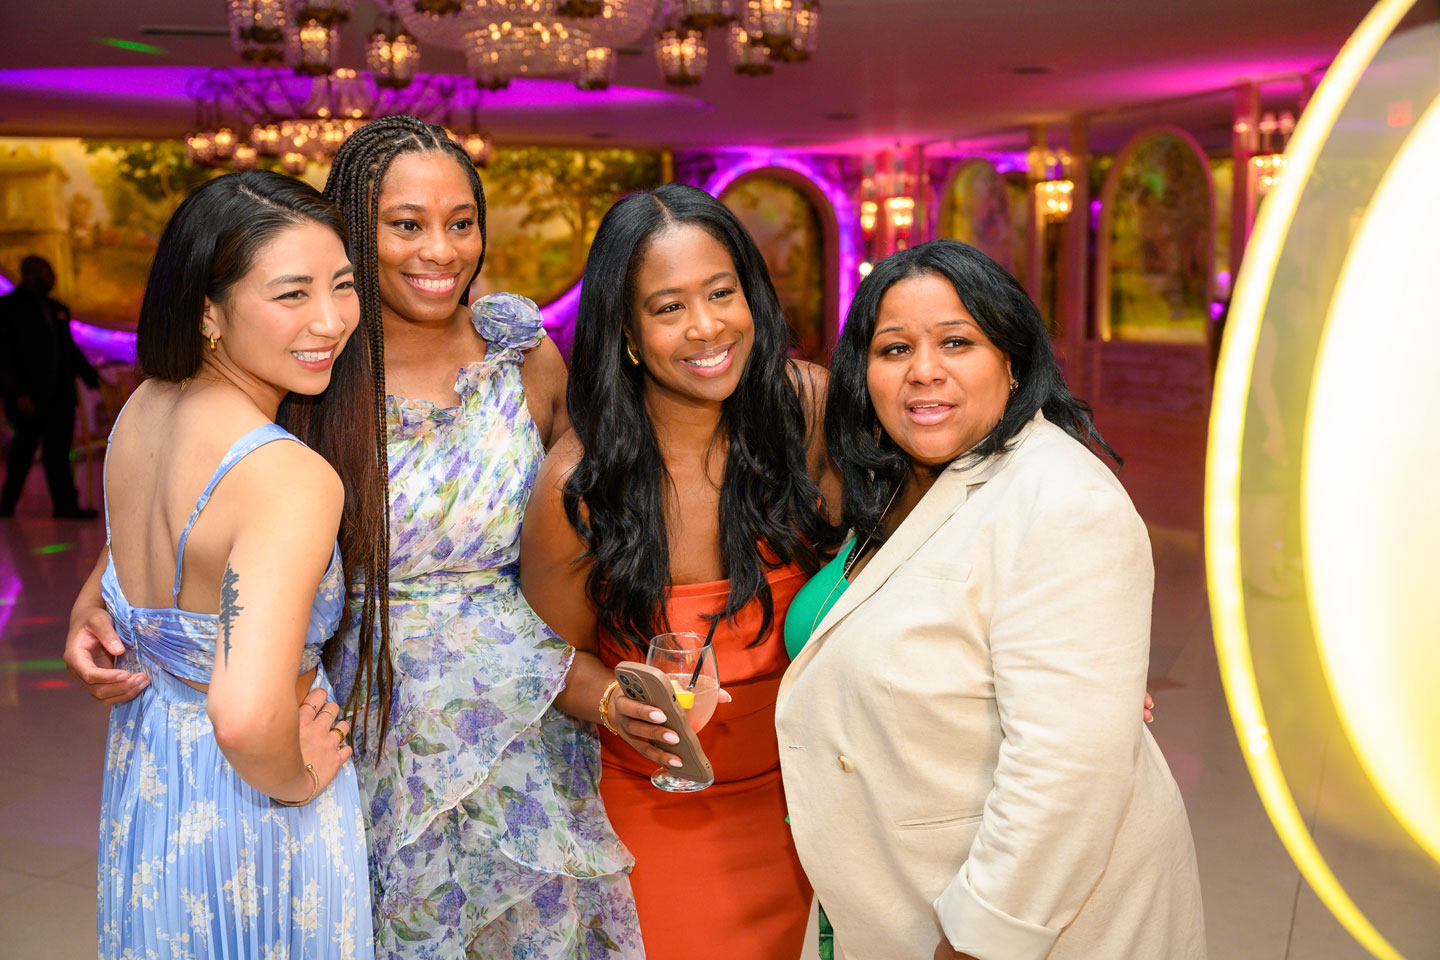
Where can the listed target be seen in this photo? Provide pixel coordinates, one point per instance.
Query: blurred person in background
(38, 366)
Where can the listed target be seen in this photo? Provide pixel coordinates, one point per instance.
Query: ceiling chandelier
(297, 104)
(758, 33)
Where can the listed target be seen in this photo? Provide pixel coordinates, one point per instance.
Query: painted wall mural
(96, 209)
(1161, 252)
(976, 209)
(543, 207)
(787, 230)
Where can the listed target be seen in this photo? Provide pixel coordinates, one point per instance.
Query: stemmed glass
(688, 661)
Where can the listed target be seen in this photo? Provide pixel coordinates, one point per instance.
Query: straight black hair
(871, 464)
(212, 241)
(354, 186)
(770, 513)
(209, 243)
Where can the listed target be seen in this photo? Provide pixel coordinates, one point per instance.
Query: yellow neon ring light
(1222, 470)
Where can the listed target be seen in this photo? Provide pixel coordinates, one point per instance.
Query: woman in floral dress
(486, 831)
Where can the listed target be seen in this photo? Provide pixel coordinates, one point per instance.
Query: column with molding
(1073, 283)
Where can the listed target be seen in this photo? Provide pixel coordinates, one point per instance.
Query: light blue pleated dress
(193, 861)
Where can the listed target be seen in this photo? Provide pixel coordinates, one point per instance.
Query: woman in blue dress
(230, 816)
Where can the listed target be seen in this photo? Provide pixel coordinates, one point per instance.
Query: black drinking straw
(709, 637)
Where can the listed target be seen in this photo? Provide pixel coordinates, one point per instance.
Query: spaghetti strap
(256, 438)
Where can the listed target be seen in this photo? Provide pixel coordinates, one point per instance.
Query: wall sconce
(869, 212)
(1054, 197)
(294, 163)
(245, 157)
(902, 212)
(1269, 170)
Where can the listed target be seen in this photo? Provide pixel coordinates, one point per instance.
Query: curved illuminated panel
(1371, 565)
(1321, 507)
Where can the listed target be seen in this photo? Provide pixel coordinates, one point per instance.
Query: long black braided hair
(354, 186)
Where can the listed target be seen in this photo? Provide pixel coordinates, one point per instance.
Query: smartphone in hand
(646, 684)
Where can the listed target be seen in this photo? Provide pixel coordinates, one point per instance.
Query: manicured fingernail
(657, 717)
(670, 737)
(674, 762)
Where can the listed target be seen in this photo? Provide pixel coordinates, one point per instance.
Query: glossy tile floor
(1256, 904)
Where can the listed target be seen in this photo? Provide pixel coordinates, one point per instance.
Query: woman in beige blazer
(966, 772)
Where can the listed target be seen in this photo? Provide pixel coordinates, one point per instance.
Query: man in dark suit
(38, 366)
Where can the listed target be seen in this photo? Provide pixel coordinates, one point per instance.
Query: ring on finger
(335, 715)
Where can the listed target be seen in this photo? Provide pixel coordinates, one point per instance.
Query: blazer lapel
(937, 506)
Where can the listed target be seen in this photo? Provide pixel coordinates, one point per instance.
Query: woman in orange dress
(689, 494)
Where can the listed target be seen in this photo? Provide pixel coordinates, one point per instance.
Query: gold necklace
(850, 563)
(189, 380)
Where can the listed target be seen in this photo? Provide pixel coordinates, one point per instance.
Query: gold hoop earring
(213, 341)
(631, 354)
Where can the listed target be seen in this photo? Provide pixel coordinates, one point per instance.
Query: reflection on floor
(1256, 904)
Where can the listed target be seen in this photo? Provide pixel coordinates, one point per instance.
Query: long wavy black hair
(871, 464)
(770, 512)
(354, 186)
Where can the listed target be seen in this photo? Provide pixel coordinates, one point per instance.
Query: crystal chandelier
(757, 34)
(257, 29)
(748, 54)
(313, 47)
(598, 70)
(333, 12)
(790, 28)
(682, 56)
(392, 55)
(703, 14)
(304, 114)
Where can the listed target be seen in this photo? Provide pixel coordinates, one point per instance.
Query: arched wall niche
(830, 203)
(785, 216)
(976, 208)
(1154, 274)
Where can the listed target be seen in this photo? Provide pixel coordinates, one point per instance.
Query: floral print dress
(487, 836)
(193, 861)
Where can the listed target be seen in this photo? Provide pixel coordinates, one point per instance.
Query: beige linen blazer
(962, 741)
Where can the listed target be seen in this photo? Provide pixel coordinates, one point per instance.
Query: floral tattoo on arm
(229, 605)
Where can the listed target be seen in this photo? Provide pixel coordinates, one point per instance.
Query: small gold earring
(1013, 385)
(213, 341)
(630, 353)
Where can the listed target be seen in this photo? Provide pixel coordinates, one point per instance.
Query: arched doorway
(794, 227)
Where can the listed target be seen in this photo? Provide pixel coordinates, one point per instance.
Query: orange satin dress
(716, 873)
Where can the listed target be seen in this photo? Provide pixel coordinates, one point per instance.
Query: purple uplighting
(102, 345)
(840, 201)
(559, 316)
(171, 84)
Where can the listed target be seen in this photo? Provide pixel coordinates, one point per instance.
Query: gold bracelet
(310, 768)
(605, 706)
